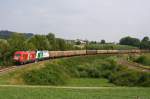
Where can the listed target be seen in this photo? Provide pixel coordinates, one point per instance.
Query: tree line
(18, 41)
(142, 44)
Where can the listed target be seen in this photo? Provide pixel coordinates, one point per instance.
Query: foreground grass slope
(87, 67)
(65, 71)
(65, 93)
(16, 77)
(93, 72)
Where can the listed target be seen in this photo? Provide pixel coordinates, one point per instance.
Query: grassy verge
(63, 93)
(89, 82)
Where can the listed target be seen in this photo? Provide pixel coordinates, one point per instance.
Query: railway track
(131, 65)
(13, 68)
(3, 70)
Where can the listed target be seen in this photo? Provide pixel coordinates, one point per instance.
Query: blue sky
(83, 19)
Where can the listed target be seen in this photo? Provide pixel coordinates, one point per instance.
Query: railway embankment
(60, 71)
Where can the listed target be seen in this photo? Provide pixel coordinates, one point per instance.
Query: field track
(59, 87)
(133, 65)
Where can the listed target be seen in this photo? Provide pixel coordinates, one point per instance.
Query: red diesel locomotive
(22, 57)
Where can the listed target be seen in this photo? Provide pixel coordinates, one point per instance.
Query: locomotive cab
(16, 57)
(22, 57)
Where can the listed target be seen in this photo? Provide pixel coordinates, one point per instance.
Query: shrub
(145, 60)
(88, 70)
(130, 78)
(49, 75)
(124, 78)
(144, 80)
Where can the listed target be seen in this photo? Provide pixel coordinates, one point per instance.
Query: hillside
(6, 34)
(79, 77)
(66, 71)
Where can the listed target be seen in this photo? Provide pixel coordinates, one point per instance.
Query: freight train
(22, 57)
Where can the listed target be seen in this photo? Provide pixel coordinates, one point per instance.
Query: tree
(145, 39)
(29, 45)
(61, 44)
(130, 41)
(93, 42)
(52, 41)
(4, 46)
(40, 42)
(145, 43)
(17, 42)
(103, 41)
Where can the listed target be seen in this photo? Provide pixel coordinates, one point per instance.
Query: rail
(113, 52)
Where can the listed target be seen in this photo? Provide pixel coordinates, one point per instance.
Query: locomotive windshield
(17, 55)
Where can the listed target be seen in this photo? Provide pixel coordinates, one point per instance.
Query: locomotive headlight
(16, 58)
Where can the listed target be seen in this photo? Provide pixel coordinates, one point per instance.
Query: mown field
(65, 93)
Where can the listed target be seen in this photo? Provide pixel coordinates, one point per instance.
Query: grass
(103, 90)
(62, 93)
(15, 77)
(89, 82)
(76, 71)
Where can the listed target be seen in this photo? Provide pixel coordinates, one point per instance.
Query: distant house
(80, 41)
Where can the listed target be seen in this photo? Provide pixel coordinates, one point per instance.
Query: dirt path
(133, 65)
(58, 87)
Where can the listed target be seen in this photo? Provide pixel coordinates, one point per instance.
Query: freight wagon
(32, 56)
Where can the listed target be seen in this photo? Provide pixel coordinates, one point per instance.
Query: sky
(78, 19)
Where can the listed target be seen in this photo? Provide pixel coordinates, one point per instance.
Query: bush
(145, 60)
(88, 70)
(144, 80)
(130, 78)
(124, 78)
(49, 75)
